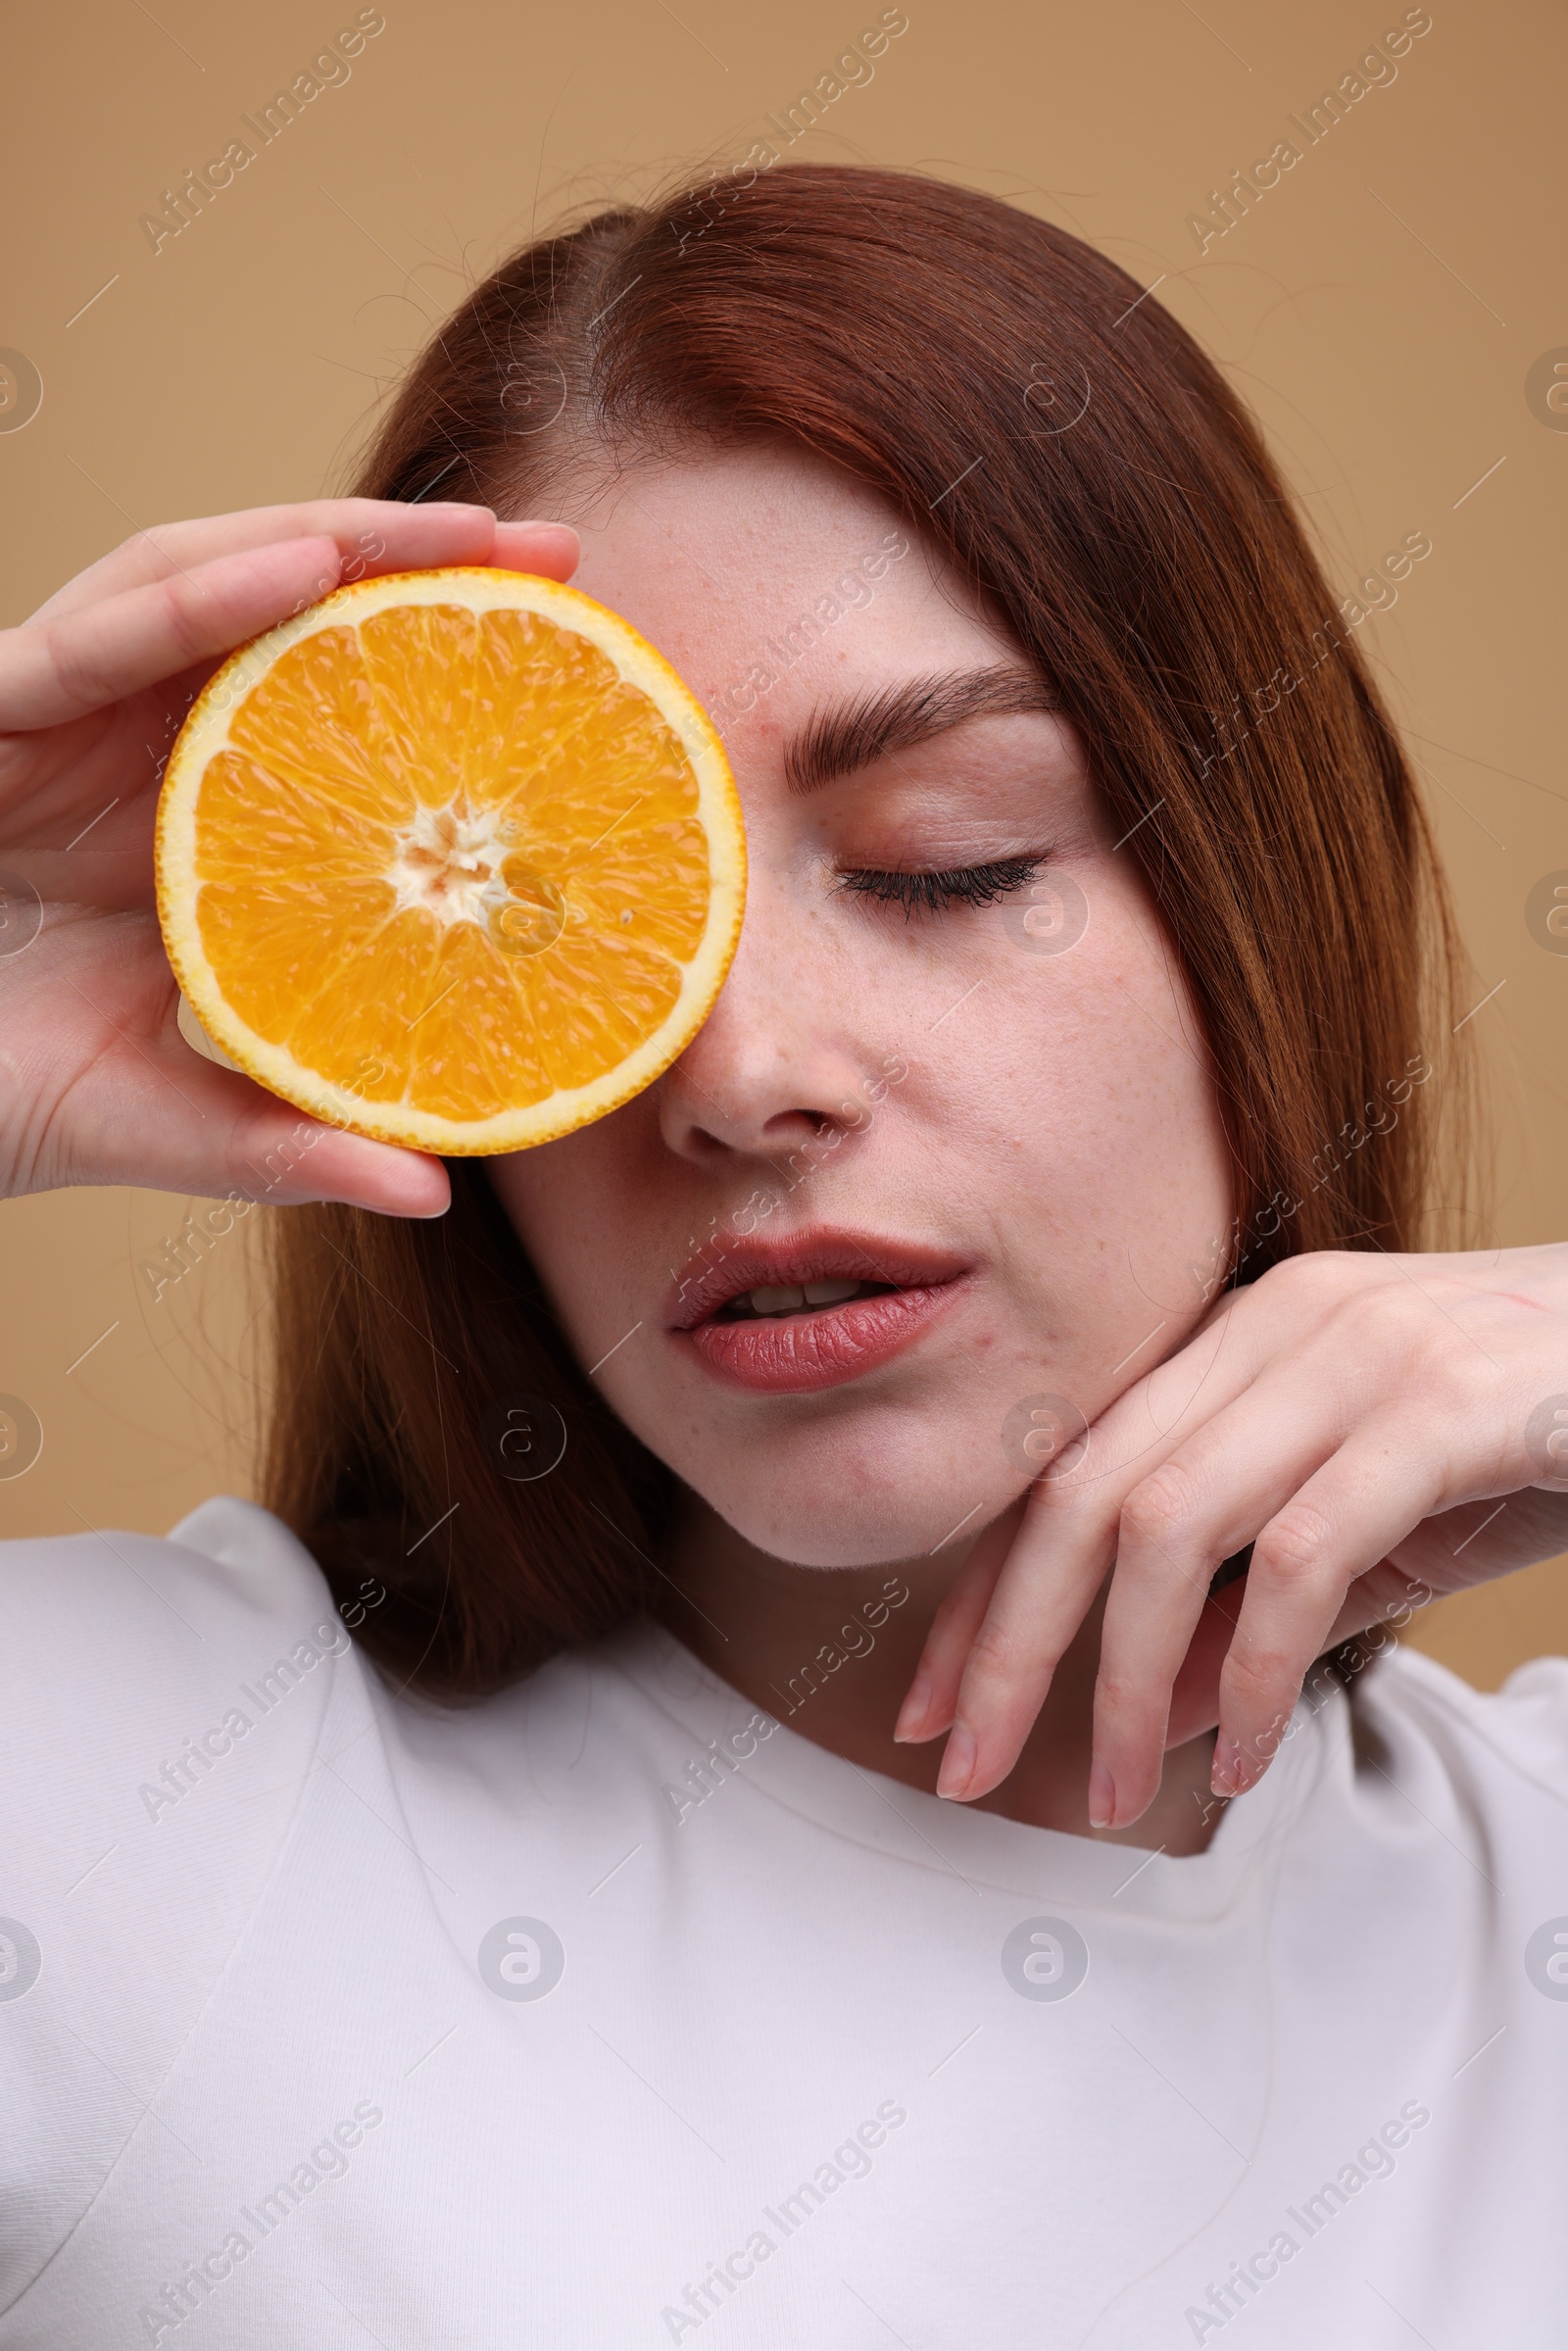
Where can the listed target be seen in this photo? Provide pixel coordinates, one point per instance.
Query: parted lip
(817, 1254)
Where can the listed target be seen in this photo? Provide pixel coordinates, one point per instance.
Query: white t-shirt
(330, 2019)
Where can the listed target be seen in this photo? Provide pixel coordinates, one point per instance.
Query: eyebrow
(891, 718)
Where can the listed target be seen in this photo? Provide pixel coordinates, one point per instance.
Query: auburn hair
(1054, 434)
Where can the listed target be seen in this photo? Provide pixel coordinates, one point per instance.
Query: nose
(775, 1063)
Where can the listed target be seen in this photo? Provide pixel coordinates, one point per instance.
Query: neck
(830, 1652)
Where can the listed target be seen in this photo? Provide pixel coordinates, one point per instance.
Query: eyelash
(932, 893)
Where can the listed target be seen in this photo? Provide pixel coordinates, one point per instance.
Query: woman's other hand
(97, 1084)
(1380, 1429)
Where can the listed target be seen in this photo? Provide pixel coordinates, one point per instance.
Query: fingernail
(957, 1762)
(1226, 1775)
(386, 1207)
(1101, 1796)
(916, 1706)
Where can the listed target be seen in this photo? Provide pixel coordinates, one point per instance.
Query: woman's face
(920, 1169)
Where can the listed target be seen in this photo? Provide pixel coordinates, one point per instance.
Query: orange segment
(314, 719)
(454, 858)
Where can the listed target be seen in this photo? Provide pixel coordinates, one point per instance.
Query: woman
(505, 1893)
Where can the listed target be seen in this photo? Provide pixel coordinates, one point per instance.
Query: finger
(124, 1099)
(55, 670)
(1390, 1593)
(933, 1693)
(1067, 1541)
(386, 533)
(76, 656)
(1499, 1527)
(552, 550)
(1386, 1595)
(1043, 1592)
(289, 1158)
(1195, 1700)
(1195, 1693)
(1346, 1518)
(154, 1113)
(1178, 1526)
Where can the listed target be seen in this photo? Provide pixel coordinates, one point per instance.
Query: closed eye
(932, 892)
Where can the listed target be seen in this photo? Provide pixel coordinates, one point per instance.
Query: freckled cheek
(576, 1215)
(1032, 1062)
(1075, 1095)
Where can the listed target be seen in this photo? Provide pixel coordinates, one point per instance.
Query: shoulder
(165, 1703)
(80, 1611)
(133, 1660)
(1519, 1732)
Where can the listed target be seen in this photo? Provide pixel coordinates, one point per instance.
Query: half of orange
(453, 858)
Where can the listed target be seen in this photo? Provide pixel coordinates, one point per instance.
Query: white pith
(448, 862)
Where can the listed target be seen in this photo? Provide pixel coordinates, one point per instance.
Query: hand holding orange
(97, 1077)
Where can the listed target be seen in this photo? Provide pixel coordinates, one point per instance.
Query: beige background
(1382, 308)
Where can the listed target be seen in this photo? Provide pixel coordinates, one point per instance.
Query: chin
(867, 1497)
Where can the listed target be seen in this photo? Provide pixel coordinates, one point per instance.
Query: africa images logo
(328, 70)
(1376, 69)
